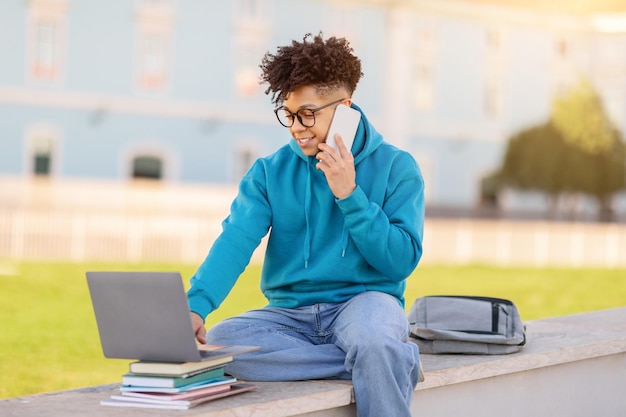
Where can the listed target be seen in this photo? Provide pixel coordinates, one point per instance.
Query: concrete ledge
(572, 365)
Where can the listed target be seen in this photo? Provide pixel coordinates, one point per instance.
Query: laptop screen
(143, 316)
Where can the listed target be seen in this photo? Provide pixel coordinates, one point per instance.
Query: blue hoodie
(320, 249)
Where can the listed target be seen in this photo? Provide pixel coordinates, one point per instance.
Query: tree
(580, 116)
(577, 151)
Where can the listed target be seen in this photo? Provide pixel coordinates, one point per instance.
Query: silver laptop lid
(143, 316)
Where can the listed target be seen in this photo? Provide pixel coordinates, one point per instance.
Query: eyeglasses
(306, 117)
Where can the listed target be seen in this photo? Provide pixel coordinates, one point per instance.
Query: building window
(424, 88)
(41, 151)
(252, 31)
(425, 57)
(565, 72)
(42, 164)
(154, 33)
(248, 56)
(494, 69)
(493, 98)
(42, 157)
(47, 37)
(152, 61)
(147, 167)
(46, 62)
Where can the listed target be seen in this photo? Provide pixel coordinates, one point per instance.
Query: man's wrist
(348, 194)
(197, 314)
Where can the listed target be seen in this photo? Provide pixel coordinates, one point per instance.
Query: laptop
(145, 316)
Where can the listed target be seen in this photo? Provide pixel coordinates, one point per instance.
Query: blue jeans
(364, 339)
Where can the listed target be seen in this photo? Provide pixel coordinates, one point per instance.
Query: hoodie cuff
(199, 305)
(355, 202)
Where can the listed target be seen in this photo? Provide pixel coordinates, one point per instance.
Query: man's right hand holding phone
(338, 167)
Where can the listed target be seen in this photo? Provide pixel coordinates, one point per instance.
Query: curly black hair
(324, 64)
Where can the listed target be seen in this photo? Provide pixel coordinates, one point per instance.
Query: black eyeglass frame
(293, 116)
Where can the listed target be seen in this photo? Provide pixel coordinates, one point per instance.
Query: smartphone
(345, 122)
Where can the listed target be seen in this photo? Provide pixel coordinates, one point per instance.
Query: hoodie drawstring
(344, 240)
(307, 211)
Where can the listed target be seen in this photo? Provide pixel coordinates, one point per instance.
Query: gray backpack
(465, 324)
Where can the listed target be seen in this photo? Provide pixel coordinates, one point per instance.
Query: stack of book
(175, 385)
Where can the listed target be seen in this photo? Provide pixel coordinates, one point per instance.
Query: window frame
(46, 55)
(153, 45)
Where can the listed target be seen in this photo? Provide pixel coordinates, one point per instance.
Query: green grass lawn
(49, 339)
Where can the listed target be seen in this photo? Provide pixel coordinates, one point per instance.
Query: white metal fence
(81, 236)
(533, 243)
(130, 223)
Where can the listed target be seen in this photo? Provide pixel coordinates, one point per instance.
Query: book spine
(170, 382)
(175, 370)
(200, 371)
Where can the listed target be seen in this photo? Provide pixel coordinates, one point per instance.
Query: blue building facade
(168, 89)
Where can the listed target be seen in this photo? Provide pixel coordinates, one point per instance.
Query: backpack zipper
(495, 317)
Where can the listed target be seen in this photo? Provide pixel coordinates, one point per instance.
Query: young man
(345, 232)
